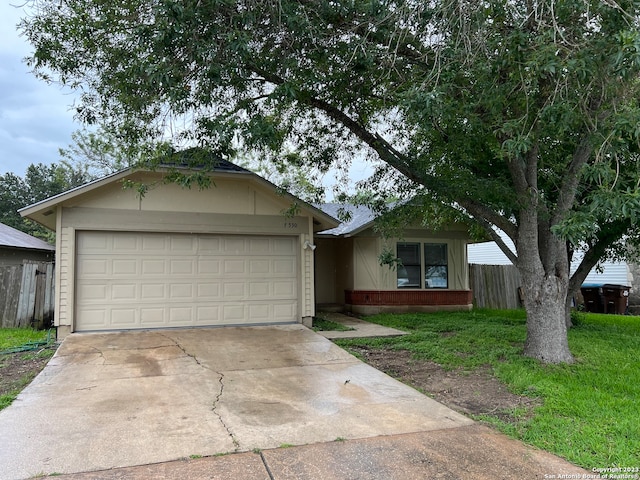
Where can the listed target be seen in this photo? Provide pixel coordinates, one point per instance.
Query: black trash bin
(593, 297)
(616, 298)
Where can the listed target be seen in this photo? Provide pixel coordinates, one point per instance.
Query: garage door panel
(152, 291)
(208, 315)
(124, 317)
(260, 289)
(124, 266)
(209, 291)
(284, 310)
(284, 266)
(152, 317)
(153, 267)
(234, 246)
(95, 267)
(208, 267)
(94, 319)
(283, 288)
(234, 290)
(234, 266)
(126, 242)
(92, 293)
(124, 292)
(147, 280)
(93, 242)
(182, 244)
(210, 245)
(285, 248)
(180, 315)
(154, 243)
(233, 313)
(260, 312)
(259, 266)
(260, 246)
(182, 266)
(181, 291)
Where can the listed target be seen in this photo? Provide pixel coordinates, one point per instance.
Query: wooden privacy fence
(495, 286)
(26, 295)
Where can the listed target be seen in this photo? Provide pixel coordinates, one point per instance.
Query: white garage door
(130, 280)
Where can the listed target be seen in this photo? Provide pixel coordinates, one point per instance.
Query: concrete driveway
(122, 399)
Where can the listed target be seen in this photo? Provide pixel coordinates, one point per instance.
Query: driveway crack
(214, 409)
(218, 396)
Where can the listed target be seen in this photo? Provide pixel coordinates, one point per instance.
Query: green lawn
(590, 412)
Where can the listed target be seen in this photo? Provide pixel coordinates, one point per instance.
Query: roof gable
(42, 212)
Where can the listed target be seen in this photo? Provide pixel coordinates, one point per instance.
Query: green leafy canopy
(520, 115)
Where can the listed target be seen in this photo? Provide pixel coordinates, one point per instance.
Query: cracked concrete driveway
(131, 398)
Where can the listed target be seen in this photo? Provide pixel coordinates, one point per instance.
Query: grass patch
(12, 338)
(589, 409)
(23, 354)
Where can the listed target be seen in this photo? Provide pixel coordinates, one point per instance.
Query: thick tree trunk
(545, 300)
(543, 264)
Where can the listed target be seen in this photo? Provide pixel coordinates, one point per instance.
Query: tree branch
(495, 236)
(569, 187)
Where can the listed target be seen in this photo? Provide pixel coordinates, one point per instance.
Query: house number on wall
(290, 225)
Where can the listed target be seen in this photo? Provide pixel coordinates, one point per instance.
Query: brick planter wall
(408, 298)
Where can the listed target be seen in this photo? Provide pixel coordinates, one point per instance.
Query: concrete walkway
(359, 328)
(471, 452)
(137, 404)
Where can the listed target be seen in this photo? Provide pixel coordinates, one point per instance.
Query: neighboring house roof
(42, 211)
(361, 218)
(10, 237)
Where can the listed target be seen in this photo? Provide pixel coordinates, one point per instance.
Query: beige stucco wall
(334, 269)
(232, 206)
(370, 275)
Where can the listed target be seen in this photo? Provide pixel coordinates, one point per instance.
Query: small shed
(16, 247)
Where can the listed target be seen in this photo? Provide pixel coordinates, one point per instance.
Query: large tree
(520, 115)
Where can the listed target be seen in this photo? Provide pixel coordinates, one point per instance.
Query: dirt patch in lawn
(18, 369)
(471, 393)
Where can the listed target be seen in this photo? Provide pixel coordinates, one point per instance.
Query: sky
(35, 118)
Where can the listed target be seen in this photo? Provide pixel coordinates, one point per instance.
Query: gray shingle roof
(10, 237)
(361, 217)
(196, 158)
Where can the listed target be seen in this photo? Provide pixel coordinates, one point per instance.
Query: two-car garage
(237, 253)
(130, 280)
